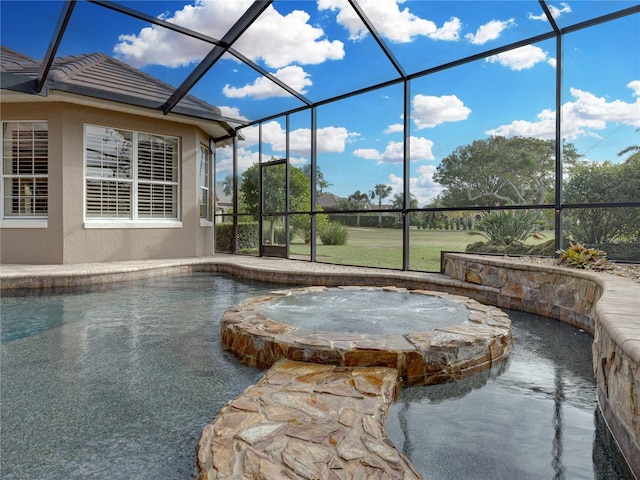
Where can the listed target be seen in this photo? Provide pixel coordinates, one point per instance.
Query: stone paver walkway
(306, 420)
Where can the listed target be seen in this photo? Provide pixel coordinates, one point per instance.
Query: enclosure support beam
(314, 174)
(406, 201)
(56, 38)
(559, 146)
(247, 19)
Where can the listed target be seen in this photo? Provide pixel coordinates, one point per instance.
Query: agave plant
(508, 226)
(579, 256)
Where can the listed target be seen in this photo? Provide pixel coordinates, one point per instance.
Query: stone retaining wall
(605, 305)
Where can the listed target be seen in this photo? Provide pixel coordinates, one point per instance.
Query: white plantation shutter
(108, 161)
(25, 169)
(157, 176)
(130, 175)
(108, 199)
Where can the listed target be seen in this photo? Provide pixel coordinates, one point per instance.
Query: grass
(382, 247)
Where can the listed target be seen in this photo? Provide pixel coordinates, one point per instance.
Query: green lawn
(382, 247)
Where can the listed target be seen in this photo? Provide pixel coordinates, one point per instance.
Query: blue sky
(320, 49)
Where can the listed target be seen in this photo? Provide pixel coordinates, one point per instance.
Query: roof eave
(200, 117)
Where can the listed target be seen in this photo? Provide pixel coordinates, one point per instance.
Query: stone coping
(304, 420)
(420, 358)
(265, 269)
(616, 304)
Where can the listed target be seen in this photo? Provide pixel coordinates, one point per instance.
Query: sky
(322, 50)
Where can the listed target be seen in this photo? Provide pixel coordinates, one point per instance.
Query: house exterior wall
(68, 238)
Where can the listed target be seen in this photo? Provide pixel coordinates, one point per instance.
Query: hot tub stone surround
(441, 355)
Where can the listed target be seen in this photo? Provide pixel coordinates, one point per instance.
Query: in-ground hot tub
(429, 337)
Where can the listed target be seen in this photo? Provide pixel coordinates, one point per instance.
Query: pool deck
(268, 269)
(606, 305)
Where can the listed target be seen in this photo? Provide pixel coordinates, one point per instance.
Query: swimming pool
(118, 382)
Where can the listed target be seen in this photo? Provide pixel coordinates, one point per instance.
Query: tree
(321, 183)
(381, 191)
(398, 201)
(227, 185)
(274, 194)
(602, 182)
(633, 149)
(356, 201)
(500, 171)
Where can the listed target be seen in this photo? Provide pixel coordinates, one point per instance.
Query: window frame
(134, 219)
(204, 188)
(23, 221)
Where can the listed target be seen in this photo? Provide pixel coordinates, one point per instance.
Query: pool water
(117, 383)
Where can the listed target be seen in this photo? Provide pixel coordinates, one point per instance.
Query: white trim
(90, 224)
(24, 223)
(206, 223)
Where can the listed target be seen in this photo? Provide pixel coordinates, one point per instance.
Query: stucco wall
(38, 245)
(68, 239)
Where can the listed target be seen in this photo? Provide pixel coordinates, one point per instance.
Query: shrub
(333, 234)
(247, 237)
(579, 256)
(279, 236)
(508, 226)
(546, 249)
(224, 237)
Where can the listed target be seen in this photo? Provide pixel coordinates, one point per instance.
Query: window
(25, 169)
(204, 182)
(130, 175)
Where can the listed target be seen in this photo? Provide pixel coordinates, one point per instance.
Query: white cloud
(395, 128)
(583, 116)
(555, 12)
(262, 87)
(450, 31)
(396, 25)
(430, 111)
(420, 149)
(489, 31)
(635, 86)
(329, 139)
(368, 153)
(232, 112)
(224, 161)
(279, 40)
(521, 58)
(282, 40)
(421, 186)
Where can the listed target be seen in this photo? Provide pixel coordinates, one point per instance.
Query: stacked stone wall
(607, 306)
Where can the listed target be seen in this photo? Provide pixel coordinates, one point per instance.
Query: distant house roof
(221, 196)
(100, 76)
(329, 201)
